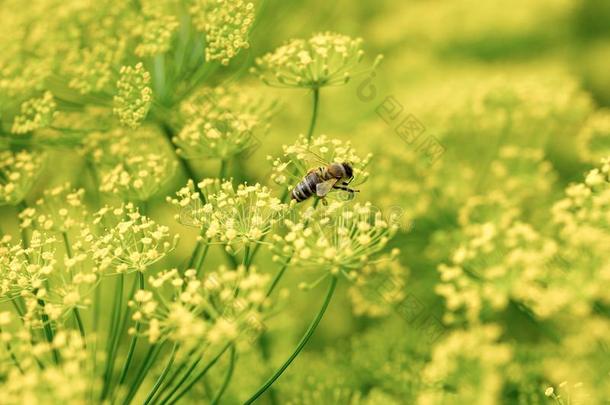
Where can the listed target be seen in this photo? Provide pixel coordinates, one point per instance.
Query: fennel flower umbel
(233, 216)
(202, 312)
(325, 59)
(129, 241)
(342, 239)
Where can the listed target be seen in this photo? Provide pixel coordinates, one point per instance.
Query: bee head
(348, 170)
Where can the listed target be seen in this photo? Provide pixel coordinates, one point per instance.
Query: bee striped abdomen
(306, 188)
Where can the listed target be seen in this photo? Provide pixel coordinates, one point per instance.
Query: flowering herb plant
(203, 201)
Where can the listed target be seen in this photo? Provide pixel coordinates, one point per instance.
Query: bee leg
(351, 190)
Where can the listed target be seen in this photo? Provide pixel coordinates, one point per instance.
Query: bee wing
(313, 156)
(324, 188)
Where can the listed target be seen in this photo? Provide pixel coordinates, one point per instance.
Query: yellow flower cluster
(221, 122)
(18, 172)
(156, 33)
(25, 269)
(584, 214)
(377, 287)
(303, 155)
(340, 239)
(128, 241)
(594, 137)
(226, 24)
(234, 217)
(33, 273)
(139, 176)
(134, 96)
(199, 313)
(133, 164)
(325, 59)
(61, 209)
(91, 69)
(39, 380)
(36, 113)
(469, 362)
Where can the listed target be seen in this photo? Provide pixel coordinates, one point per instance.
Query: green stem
(277, 279)
(314, 114)
(186, 167)
(280, 273)
(9, 349)
(152, 394)
(149, 359)
(194, 255)
(246, 260)
(81, 326)
(185, 377)
(24, 235)
(228, 376)
(46, 325)
(263, 345)
(310, 330)
(113, 334)
(75, 311)
(222, 173)
(134, 338)
(230, 258)
(199, 265)
(197, 377)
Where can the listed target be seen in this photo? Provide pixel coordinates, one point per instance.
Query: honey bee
(321, 180)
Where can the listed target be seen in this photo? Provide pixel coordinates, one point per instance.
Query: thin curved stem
(197, 377)
(199, 264)
(228, 377)
(75, 311)
(9, 349)
(134, 338)
(185, 377)
(80, 325)
(186, 167)
(310, 330)
(314, 114)
(222, 173)
(151, 395)
(48, 329)
(149, 359)
(113, 334)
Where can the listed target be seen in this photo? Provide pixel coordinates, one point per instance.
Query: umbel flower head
(325, 59)
(25, 269)
(90, 69)
(594, 137)
(129, 241)
(583, 216)
(68, 382)
(223, 306)
(33, 273)
(134, 96)
(339, 239)
(133, 164)
(221, 122)
(473, 362)
(18, 171)
(304, 155)
(226, 24)
(234, 217)
(377, 287)
(61, 209)
(138, 176)
(35, 113)
(155, 33)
